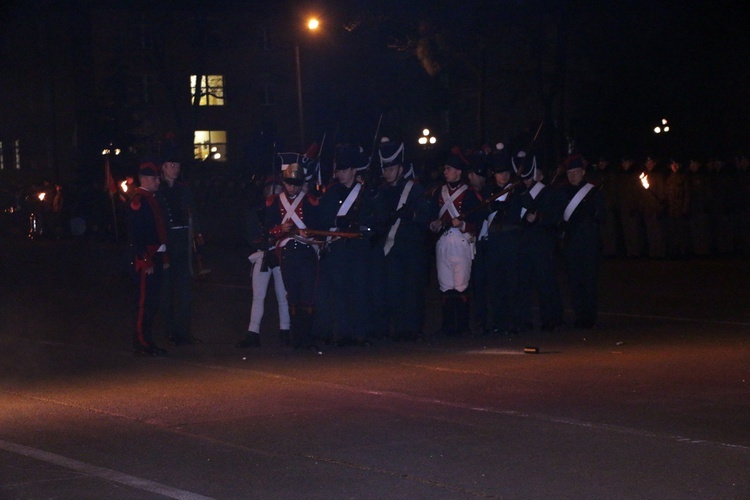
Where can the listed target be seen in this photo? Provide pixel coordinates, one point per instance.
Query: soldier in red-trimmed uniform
(148, 242)
(452, 218)
(287, 216)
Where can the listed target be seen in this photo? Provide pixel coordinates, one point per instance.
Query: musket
(507, 189)
(374, 142)
(273, 169)
(531, 146)
(318, 179)
(521, 171)
(322, 232)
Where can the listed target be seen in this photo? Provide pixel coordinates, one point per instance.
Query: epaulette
(270, 198)
(135, 203)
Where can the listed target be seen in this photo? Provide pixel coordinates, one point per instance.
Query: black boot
(252, 339)
(448, 310)
(301, 331)
(462, 314)
(285, 337)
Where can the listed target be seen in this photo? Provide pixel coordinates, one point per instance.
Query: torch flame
(124, 186)
(41, 196)
(644, 180)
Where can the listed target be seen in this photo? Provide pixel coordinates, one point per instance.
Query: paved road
(655, 403)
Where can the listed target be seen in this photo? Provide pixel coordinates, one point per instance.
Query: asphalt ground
(653, 403)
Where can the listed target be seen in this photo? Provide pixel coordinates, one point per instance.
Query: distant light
(426, 132)
(41, 196)
(313, 24)
(422, 140)
(666, 129)
(214, 149)
(433, 140)
(663, 121)
(657, 130)
(217, 156)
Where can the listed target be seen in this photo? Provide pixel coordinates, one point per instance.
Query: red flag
(109, 182)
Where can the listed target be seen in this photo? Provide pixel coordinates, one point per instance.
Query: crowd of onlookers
(674, 209)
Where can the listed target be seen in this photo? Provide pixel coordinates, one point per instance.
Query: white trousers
(453, 255)
(261, 279)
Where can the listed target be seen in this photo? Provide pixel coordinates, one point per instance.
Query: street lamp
(664, 127)
(312, 25)
(109, 182)
(427, 140)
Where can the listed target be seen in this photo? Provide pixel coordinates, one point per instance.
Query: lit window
(17, 154)
(210, 145)
(210, 92)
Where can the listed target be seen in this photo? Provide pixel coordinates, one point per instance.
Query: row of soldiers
(353, 262)
(687, 209)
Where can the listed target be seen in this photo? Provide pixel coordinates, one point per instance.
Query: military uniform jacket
(413, 217)
(147, 231)
(359, 214)
(305, 213)
(502, 213)
(583, 224)
(178, 205)
(547, 206)
(465, 199)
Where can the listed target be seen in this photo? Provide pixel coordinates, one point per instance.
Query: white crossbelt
(534, 192)
(448, 201)
(347, 204)
(484, 232)
(577, 199)
(291, 214)
(392, 232)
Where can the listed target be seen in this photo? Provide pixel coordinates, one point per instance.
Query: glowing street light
(663, 128)
(427, 139)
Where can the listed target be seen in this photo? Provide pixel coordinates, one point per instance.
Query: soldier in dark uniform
(479, 283)
(178, 207)
(540, 216)
(344, 313)
(701, 202)
(287, 216)
(147, 235)
(629, 192)
(455, 220)
(584, 210)
(653, 202)
(402, 215)
(503, 230)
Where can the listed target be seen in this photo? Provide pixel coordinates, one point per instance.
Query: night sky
(628, 64)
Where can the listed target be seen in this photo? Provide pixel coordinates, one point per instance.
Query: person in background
(147, 235)
(183, 232)
(585, 209)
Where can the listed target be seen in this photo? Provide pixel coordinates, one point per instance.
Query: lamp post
(312, 25)
(427, 140)
(109, 183)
